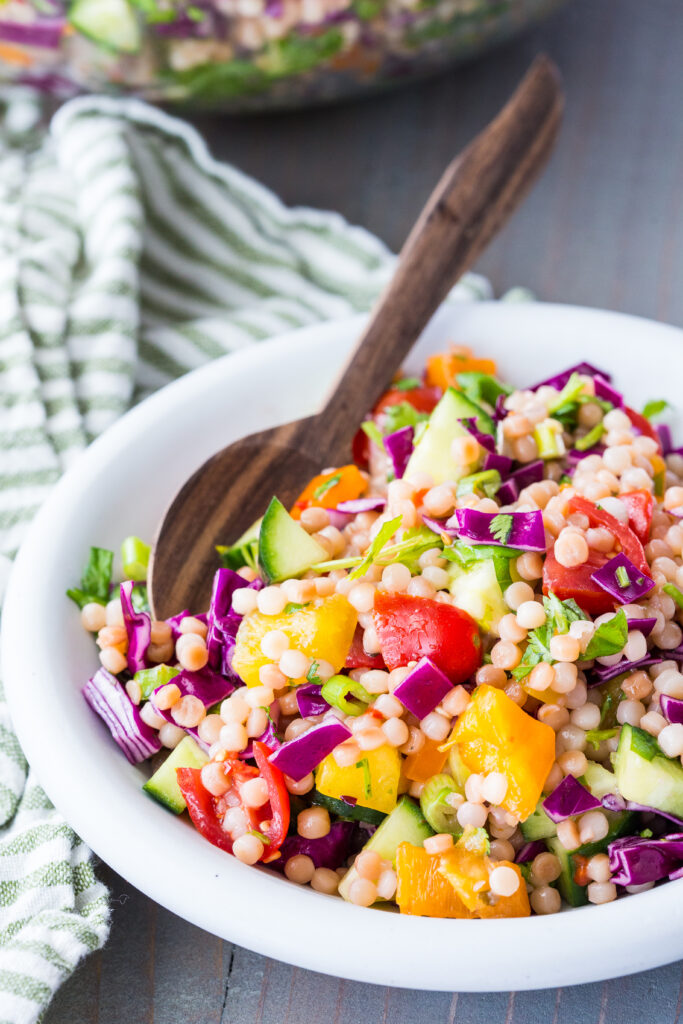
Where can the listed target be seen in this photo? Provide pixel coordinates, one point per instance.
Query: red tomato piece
(410, 628)
(207, 811)
(576, 582)
(358, 656)
(643, 424)
(639, 505)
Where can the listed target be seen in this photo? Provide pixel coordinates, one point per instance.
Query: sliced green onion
(346, 694)
(674, 592)
(372, 431)
(622, 577)
(549, 440)
(135, 557)
(326, 486)
(591, 438)
(488, 481)
(569, 393)
(150, 679)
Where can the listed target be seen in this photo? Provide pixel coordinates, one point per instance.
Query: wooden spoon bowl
(476, 195)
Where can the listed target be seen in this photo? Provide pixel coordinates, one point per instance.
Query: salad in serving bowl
(446, 678)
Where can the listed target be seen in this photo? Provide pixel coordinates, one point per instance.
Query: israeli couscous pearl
(248, 848)
(504, 881)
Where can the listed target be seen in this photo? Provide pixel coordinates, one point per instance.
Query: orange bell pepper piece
(494, 734)
(443, 368)
(327, 490)
(422, 890)
(468, 874)
(427, 761)
(15, 55)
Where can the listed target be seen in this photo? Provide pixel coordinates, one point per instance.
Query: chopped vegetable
(523, 530)
(568, 799)
(298, 757)
(109, 700)
(622, 580)
(423, 688)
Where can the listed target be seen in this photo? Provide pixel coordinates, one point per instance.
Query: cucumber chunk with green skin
(351, 812)
(435, 807)
(598, 780)
(163, 785)
(284, 547)
(432, 453)
(538, 825)
(619, 824)
(477, 591)
(111, 23)
(645, 775)
(405, 824)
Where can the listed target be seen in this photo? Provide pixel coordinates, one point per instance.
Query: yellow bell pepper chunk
(495, 735)
(421, 888)
(322, 629)
(373, 780)
(468, 873)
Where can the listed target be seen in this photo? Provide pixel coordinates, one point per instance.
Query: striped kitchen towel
(128, 256)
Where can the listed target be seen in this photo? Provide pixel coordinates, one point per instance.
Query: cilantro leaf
(402, 415)
(326, 486)
(501, 527)
(96, 579)
(407, 384)
(561, 613)
(654, 407)
(609, 638)
(312, 674)
(372, 431)
(386, 532)
(537, 650)
(481, 386)
(290, 608)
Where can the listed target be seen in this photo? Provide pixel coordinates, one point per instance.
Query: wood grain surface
(604, 227)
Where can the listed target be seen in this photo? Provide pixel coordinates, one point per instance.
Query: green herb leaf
(537, 650)
(481, 386)
(96, 576)
(654, 407)
(596, 736)
(326, 486)
(367, 776)
(372, 431)
(591, 438)
(609, 638)
(674, 592)
(386, 532)
(561, 614)
(259, 835)
(501, 527)
(139, 598)
(292, 607)
(647, 833)
(407, 384)
(312, 674)
(402, 415)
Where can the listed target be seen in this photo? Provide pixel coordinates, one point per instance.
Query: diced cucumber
(284, 547)
(163, 785)
(432, 453)
(435, 807)
(245, 549)
(111, 23)
(644, 775)
(538, 825)
(477, 591)
(574, 894)
(599, 780)
(351, 812)
(405, 824)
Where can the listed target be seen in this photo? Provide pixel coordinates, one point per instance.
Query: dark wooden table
(604, 228)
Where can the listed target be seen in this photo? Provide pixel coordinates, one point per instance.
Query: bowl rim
(538, 952)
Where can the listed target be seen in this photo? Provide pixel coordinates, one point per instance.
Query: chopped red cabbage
(500, 462)
(608, 575)
(423, 688)
(138, 627)
(507, 493)
(399, 448)
(529, 851)
(210, 687)
(439, 526)
(644, 625)
(607, 392)
(574, 456)
(499, 411)
(223, 622)
(270, 736)
(356, 505)
(329, 851)
(635, 860)
(107, 697)
(531, 473)
(45, 33)
(174, 623)
(339, 519)
(672, 708)
(616, 802)
(569, 798)
(301, 755)
(309, 700)
(486, 441)
(559, 380)
(523, 530)
(603, 673)
(665, 438)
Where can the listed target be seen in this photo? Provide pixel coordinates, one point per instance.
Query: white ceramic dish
(120, 486)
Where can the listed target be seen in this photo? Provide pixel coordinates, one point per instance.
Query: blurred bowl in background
(241, 55)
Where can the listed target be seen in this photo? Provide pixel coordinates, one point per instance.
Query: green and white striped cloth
(127, 257)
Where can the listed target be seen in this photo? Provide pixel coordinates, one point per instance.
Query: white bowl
(120, 486)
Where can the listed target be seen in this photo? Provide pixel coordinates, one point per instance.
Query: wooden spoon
(474, 198)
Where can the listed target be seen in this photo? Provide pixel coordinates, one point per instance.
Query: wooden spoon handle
(476, 195)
